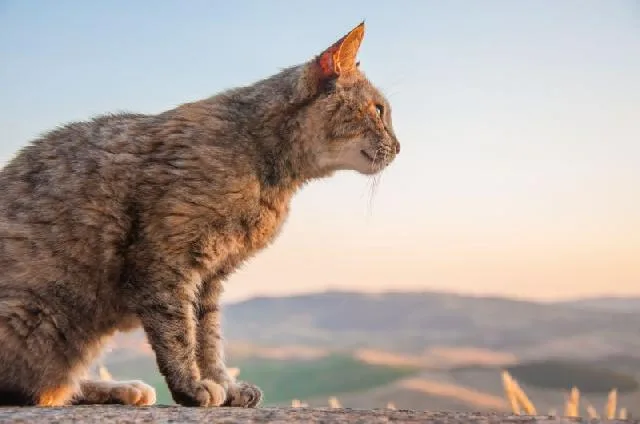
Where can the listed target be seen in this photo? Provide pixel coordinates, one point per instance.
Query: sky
(519, 123)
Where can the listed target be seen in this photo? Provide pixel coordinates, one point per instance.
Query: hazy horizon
(427, 291)
(519, 174)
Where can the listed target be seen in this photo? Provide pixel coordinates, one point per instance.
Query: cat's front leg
(165, 308)
(211, 349)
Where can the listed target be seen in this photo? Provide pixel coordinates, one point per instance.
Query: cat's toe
(126, 394)
(136, 393)
(243, 395)
(210, 393)
(147, 393)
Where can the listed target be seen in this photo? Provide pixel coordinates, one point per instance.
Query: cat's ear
(336, 62)
(340, 58)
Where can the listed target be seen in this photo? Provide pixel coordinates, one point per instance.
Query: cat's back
(63, 196)
(75, 149)
(66, 156)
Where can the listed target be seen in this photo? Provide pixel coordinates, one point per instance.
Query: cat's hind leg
(32, 370)
(58, 396)
(132, 392)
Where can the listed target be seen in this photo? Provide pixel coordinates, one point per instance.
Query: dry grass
(296, 403)
(334, 402)
(612, 402)
(519, 402)
(623, 414)
(572, 404)
(592, 413)
(516, 396)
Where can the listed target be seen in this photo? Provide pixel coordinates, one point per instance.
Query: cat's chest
(261, 227)
(251, 230)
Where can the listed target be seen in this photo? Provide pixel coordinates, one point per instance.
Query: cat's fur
(131, 219)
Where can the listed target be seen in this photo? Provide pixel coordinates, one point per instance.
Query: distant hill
(412, 322)
(610, 304)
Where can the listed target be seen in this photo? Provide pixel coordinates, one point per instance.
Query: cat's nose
(397, 147)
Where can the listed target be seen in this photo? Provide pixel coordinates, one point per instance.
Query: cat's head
(347, 120)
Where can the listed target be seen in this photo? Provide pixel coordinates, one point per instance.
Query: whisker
(398, 81)
(382, 153)
(391, 94)
(375, 157)
(394, 88)
(375, 183)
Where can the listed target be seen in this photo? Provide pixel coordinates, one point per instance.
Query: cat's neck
(266, 115)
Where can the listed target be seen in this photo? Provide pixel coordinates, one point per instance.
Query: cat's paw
(203, 393)
(242, 394)
(134, 392)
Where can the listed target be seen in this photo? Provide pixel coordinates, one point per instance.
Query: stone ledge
(173, 414)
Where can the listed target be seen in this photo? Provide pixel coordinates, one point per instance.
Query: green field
(282, 380)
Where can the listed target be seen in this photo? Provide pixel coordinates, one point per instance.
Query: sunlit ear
(340, 58)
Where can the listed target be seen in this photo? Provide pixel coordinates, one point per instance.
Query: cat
(131, 220)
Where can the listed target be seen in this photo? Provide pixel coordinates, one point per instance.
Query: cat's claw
(243, 395)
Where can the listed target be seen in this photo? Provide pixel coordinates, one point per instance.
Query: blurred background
(506, 236)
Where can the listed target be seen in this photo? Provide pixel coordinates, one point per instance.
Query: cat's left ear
(340, 58)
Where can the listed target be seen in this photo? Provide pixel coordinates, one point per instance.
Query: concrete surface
(173, 414)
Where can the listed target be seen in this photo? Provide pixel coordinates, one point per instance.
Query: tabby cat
(130, 220)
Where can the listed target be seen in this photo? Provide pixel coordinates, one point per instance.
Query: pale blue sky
(519, 124)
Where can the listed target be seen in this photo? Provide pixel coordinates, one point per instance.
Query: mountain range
(411, 322)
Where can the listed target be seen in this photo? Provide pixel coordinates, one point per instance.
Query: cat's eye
(379, 110)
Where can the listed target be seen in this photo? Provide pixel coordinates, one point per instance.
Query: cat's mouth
(367, 156)
(376, 161)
